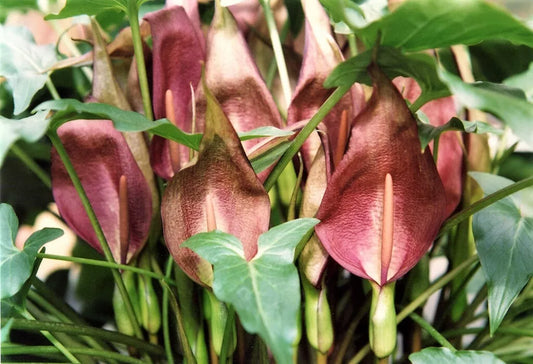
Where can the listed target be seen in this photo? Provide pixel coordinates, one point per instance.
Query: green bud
(150, 310)
(121, 317)
(216, 315)
(382, 329)
(318, 325)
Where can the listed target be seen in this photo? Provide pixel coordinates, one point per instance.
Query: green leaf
(264, 160)
(15, 265)
(126, 121)
(26, 67)
(514, 111)
(523, 81)
(30, 129)
(88, 7)
(503, 233)
(265, 291)
(425, 24)
(264, 131)
(347, 14)
(446, 356)
(421, 67)
(428, 132)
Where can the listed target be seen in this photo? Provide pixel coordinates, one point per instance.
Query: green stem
(278, 51)
(352, 44)
(518, 331)
(470, 310)
(187, 352)
(133, 16)
(32, 165)
(365, 350)
(273, 67)
(441, 282)
(166, 328)
(484, 202)
(61, 151)
(432, 331)
(76, 329)
(350, 332)
(228, 332)
(51, 87)
(48, 335)
(9, 349)
(112, 265)
(304, 134)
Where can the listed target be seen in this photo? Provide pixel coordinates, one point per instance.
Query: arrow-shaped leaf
(265, 291)
(503, 233)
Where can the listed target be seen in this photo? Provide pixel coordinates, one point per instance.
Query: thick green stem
(61, 151)
(76, 329)
(484, 202)
(51, 87)
(32, 165)
(228, 335)
(432, 331)
(304, 134)
(112, 265)
(278, 51)
(133, 16)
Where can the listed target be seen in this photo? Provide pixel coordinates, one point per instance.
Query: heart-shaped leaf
(16, 265)
(503, 233)
(265, 291)
(88, 7)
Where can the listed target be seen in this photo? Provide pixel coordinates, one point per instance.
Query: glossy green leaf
(29, 129)
(265, 291)
(421, 67)
(16, 265)
(503, 233)
(428, 132)
(24, 64)
(514, 111)
(265, 160)
(425, 24)
(71, 109)
(88, 7)
(446, 356)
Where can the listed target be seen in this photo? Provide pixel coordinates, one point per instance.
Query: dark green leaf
(425, 24)
(26, 66)
(265, 291)
(446, 356)
(421, 67)
(503, 233)
(30, 129)
(514, 111)
(15, 265)
(428, 132)
(71, 109)
(88, 7)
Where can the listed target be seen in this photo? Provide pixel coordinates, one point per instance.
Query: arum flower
(383, 205)
(219, 191)
(116, 187)
(450, 153)
(121, 194)
(177, 54)
(385, 201)
(320, 154)
(233, 78)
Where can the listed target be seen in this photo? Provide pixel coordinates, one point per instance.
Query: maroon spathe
(100, 156)
(384, 140)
